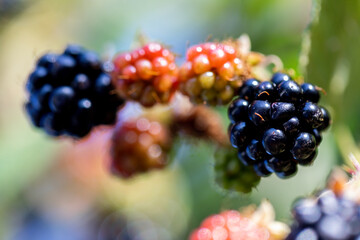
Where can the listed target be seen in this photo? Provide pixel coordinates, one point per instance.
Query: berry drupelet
(69, 93)
(147, 75)
(232, 174)
(212, 73)
(277, 124)
(139, 145)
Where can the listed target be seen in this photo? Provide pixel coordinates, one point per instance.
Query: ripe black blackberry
(70, 93)
(328, 217)
(277, 124)
(232, 174)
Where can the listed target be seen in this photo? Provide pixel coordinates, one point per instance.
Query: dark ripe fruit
(73, 50)
(64, 69)
(40, 98)
(247, 90)
(304, 146)
(292, 126)
(244, 159)
(282, 110)
(239, 135)
(259, 112)
(266, 91)
(52, 124)
(288, 172)
(255, 151)
(261, 169)
(328, 203)
(307, 161)
(307, 212)
(330, 217)
(238, 110)
(312, 115)
(286, 121)
(317, 135)
(326, 120)
(310, 93)
(84, 106)
(47, 60)
(37, 78)
(69, 94)
(304, 234)
(34, 114)
(278, 164)
(81, 121)
(90, 62)
(289, 91)
(274, 141)
(81, 82)
(103, 84)
(278, 78)
(62, 99)
(333, 227)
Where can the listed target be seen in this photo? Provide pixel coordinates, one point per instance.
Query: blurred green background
(41, 197)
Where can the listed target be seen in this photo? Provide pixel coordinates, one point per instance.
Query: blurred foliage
(334, 64)
(329, 59)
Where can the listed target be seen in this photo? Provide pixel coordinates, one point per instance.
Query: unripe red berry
(154, 67)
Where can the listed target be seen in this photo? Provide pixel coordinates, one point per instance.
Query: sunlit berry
(148, 74)
(201, 64)
(144, 69)
(207, 79)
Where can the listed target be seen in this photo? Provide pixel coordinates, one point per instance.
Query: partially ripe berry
(218, 71)
(148, 75)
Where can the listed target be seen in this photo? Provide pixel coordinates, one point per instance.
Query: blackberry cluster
(70, 93)
(277, 124)
(212, 73)
(329, 217)
(232, 174)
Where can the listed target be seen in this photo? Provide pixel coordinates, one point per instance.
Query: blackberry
(69, 93)
(330, 216)
(232, 174)
(277, 124)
